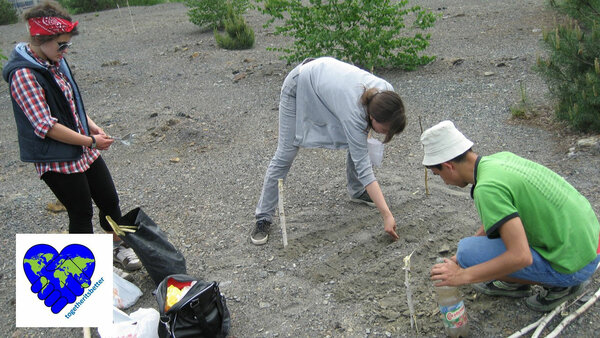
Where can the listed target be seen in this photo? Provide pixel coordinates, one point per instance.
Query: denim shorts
(475, 250)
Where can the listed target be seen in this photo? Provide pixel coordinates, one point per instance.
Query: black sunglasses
(62, 46)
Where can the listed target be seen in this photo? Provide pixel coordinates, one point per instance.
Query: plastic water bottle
(454, 312)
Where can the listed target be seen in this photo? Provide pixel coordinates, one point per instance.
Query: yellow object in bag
(173, 296)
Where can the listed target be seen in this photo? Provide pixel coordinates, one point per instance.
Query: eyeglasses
(62, 46)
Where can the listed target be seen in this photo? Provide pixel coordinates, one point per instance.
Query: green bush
(368, 33)
(2, 57)
(8, 13)
(211, 14)
(86, 6)
(572, 68)
(238, 34)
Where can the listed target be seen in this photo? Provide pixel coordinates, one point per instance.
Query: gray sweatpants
(286, 152)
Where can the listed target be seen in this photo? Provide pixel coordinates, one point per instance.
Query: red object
(178, 284)
(50, 25)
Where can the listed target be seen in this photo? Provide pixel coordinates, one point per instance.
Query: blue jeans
(475, 250)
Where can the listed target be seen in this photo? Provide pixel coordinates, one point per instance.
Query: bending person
(326, 103)
(54, 131)
(537, 228)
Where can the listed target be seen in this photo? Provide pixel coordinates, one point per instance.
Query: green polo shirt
(559, 222)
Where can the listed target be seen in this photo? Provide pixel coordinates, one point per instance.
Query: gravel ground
(205, 125)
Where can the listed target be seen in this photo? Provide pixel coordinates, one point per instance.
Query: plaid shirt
(30, 97)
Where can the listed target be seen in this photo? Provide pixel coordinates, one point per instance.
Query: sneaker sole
(259, 241)
(359, 201)
(535, 306)
(481, 288)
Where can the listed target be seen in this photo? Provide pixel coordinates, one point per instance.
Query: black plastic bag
(157, 254)
(201, 312)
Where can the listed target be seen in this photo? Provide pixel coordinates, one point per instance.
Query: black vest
(33, 148)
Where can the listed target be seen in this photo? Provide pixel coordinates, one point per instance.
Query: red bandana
(50, 25)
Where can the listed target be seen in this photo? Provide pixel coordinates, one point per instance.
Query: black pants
(76, 192)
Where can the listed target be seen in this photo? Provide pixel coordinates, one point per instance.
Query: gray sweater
(329, 113)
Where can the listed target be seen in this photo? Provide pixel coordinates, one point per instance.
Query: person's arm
(94, 129)
(64, 134)
(516, 257)
(389, 223)
(480, 232)
(30, 97)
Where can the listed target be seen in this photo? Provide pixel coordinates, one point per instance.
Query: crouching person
(537, 228)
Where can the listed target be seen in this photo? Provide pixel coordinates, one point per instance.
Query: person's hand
(389, 225)
(103, 141)
(97, 131)
(446, 273)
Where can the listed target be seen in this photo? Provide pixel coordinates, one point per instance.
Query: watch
(93, 146)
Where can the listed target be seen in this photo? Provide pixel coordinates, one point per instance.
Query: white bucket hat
(443, 142)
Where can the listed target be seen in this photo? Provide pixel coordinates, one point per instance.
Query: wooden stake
(574, 315)
(426, 185)
(526, 329)
(413, 318)
(546, 319)
(282, 213)
(131, 18)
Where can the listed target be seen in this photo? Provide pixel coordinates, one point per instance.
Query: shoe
(500, 288)
(260, 235)
(126, 257)
(551, 297)
(125, 275)
(364, 199)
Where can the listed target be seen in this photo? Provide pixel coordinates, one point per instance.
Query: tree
(8, 13)
(238, 35)
(211, 14)
(572, 68)
(368, 33)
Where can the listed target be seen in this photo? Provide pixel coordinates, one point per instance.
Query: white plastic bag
(142, 323)
(125, 293)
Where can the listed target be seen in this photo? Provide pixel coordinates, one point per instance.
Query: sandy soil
(205, 121)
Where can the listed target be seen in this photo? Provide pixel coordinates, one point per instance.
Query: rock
(455, 61)
(111, 63)
(239, 76)
(444, 249)
(589, 142)
(55, 207)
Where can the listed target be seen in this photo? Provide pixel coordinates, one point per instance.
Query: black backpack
(201, 312)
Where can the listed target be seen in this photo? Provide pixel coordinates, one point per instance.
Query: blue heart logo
(59, 278)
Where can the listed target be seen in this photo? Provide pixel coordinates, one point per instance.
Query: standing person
(54, 131)
(537, 228)
(326, 103)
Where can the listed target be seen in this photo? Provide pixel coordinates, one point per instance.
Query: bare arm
(516, 257)
(94, 129)
(389, 223)
(64, 134)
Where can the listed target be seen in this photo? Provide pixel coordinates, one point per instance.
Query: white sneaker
(127, 258)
